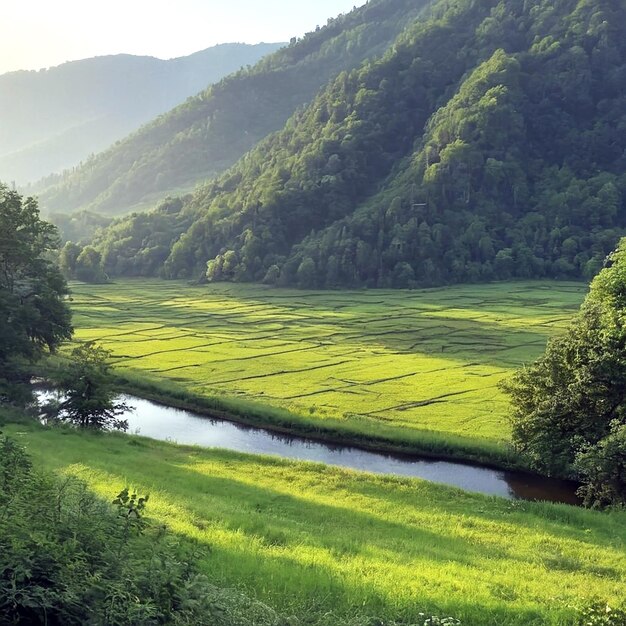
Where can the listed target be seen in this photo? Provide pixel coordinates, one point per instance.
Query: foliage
(336, 548)
(34, 317)
(66, 557)
(87, 391)
(603, 469)
(81, 263)
(488, 142)
(571, 403)
(79, 227)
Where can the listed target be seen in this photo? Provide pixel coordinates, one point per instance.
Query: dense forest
(211, 131)
(489, 142)
(93, 102)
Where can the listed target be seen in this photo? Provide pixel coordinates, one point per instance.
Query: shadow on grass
(313, 532)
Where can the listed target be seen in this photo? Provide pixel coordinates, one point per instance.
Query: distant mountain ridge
(208, 133)
(487, 143)
(52, 119)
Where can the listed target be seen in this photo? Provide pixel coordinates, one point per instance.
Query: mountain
(208, 133)
(489, 142)
(52, 119)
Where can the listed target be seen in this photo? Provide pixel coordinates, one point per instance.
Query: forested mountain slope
(54, 118)
(489, 142)
(208, 133)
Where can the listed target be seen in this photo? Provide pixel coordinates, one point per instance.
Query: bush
(68, 558)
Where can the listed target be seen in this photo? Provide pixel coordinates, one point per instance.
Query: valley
(323, 333)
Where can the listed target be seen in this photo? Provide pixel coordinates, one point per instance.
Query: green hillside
(210, 131)
(489, 142)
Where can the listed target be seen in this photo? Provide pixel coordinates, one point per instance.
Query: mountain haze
(208, 133)
(54, 118)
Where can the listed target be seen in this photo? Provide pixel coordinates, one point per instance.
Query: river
(153, 420)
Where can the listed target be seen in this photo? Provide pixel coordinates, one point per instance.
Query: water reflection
(166, 423)
(179, 426)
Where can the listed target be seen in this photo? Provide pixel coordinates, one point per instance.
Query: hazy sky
(42, 33)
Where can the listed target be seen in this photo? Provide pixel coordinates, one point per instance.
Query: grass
(416, 369)
(308, 539)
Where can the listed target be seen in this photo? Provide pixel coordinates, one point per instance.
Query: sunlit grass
(309, 538)
(401, 362)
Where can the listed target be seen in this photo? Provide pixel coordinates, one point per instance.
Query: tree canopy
(569, 407)
(34, 314)
(88, 395)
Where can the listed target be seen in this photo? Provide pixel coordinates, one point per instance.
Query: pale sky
(43, 33)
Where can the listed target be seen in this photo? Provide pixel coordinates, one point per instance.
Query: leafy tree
(34, 317)
(603, 469)
(88, 266)
(272, 275)
(67, 259)
(569, 407)
(307, 273)
(87, 392)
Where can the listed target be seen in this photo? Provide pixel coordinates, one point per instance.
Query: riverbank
(434, 445)
(307, 538)
(181, 426)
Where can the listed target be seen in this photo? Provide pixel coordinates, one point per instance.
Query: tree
(603, 469)
(307, 274)
(67, 259)
(34, 316)
(89, 398)
(569, 407)
(88, 266)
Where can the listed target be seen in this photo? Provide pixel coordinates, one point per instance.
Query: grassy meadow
(325, 543)
(409, 367)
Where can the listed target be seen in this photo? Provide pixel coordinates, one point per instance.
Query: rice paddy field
(326, 544)
(391, 365)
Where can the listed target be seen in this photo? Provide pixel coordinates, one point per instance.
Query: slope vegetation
(209, 132)
(488, 142)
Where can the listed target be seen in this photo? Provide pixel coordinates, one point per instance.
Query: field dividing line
(266, 354)
(159, 352)
(356, 383)
(280, 373)
(421, 403)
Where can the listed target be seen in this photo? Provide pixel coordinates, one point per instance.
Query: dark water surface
(169, 424)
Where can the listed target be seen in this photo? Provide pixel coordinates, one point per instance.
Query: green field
(393, 365)
(325, 543)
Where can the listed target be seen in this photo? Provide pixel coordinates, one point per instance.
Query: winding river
(169, 424)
